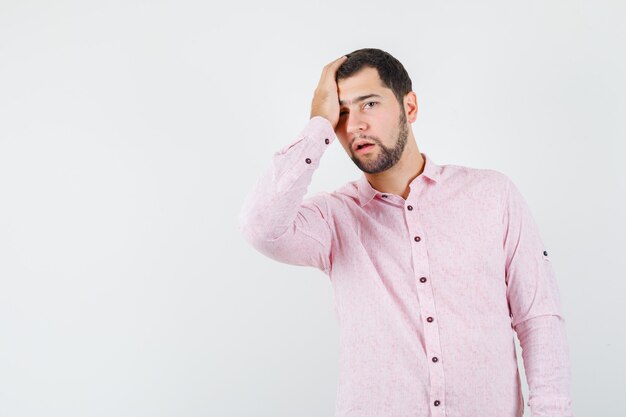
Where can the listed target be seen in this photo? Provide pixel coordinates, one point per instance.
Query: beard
(387, 157)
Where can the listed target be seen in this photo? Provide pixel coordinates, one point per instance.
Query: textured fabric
(428, 290)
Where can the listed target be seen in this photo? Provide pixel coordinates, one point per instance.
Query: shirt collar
(366, 192)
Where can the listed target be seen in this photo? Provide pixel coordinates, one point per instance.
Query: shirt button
(417, 238)
(384, 196)
(435, 359)
(308, 160)
(437, 402)
(409, 207)
(327, 141)
(545, 252)
(423, 279)
(430, 319)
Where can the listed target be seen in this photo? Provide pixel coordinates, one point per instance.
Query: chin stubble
(387, 157)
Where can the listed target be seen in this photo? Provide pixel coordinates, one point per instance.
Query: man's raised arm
(275, 219)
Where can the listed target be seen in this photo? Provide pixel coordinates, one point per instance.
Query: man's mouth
(364, 147)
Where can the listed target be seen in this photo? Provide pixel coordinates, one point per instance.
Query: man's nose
(355, 124)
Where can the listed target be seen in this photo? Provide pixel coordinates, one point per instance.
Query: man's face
(371, 113)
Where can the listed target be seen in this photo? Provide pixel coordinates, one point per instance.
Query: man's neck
(396, 180)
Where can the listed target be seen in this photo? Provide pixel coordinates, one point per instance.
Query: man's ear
(410, 106)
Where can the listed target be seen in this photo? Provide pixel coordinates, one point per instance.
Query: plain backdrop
(130, 132)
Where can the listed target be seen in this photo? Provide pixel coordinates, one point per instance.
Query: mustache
(362, 136)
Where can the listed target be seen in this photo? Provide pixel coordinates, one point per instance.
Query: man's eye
(372, 102)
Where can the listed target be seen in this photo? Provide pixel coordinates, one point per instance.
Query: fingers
(328, 73)
(336, 63)
(325, 101)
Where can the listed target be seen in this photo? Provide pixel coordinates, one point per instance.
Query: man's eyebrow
(359, 99)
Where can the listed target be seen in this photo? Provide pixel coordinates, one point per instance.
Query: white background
(130, 132)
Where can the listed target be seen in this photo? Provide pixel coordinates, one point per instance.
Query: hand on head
(325, 101)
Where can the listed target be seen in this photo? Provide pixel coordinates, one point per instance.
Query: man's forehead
(364, 84)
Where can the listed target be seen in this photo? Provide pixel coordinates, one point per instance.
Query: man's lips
(366, 148)
(358, 143)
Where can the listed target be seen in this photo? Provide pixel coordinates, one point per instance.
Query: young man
(433, 266)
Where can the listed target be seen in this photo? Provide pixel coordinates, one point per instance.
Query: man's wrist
(321, 126)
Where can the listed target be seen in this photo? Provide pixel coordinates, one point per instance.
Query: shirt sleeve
(535, 307)
(275, 217)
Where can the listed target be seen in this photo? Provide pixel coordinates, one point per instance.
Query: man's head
(375, 95)
(390, 71)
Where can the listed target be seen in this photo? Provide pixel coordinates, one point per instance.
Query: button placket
(427, 302)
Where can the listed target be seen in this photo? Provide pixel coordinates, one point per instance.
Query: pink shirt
(428, 290)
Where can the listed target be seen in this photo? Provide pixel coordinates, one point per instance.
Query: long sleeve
(535, 306)
(276, 219)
